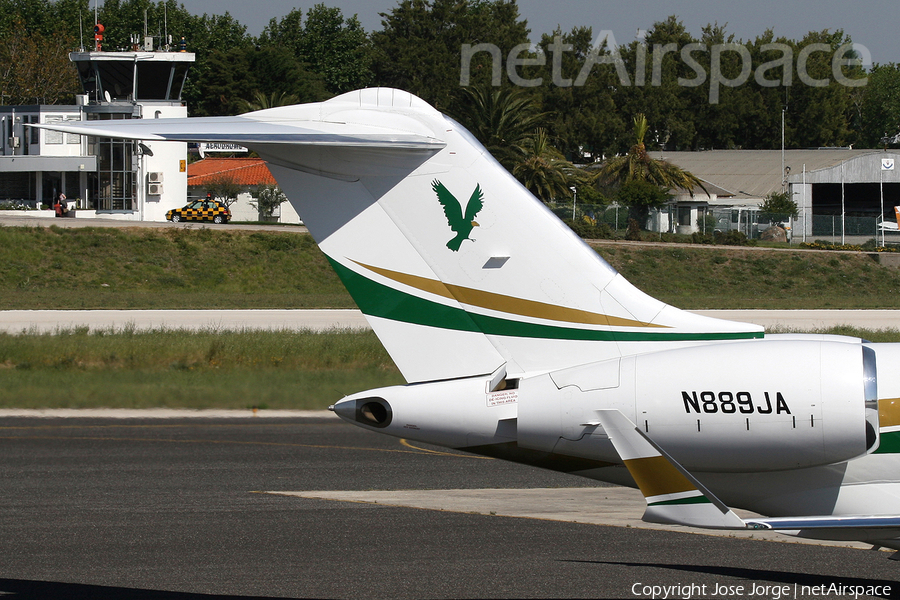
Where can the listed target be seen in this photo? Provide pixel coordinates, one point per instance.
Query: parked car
(201, 210)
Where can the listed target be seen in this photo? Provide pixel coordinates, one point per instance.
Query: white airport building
(101, 177)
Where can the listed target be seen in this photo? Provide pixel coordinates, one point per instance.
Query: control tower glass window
(115, 181)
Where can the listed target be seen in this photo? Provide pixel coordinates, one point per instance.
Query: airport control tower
(134, 181)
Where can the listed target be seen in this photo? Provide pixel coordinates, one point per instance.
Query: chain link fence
(749, 221)
(594, 214)
(848, 230)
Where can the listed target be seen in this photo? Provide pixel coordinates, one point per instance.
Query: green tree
(419, 48)
(223, 74)
(637, 164)
(224, 188)
(718, 123)
(636, 174)
(759, 123)
(35, 69)
(584, 119)
(236, 79)
(124, 19)
(640, 196)
(335, 48)
(881, 106)
(821, 115)
(261, 101)
(47, 17)
(655, 90)
(268, 198)
(500, 118)
(286, 32)
(544, 170)
(779, 204)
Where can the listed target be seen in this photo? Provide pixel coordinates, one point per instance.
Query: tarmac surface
(178, 509)
(14, 218)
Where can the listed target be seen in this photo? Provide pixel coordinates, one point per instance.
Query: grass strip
(175, 368)
(93, 268)
(734, 278)
(210, 369)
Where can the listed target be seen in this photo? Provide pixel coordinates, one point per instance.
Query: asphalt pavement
(176, 509)
(15, 218)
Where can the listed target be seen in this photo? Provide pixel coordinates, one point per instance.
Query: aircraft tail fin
(459, 269)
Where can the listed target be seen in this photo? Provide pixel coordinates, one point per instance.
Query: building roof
(753, 174)
(244, 171)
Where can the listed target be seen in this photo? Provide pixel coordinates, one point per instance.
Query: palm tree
(500, 118)
(637, 164)
(543, 169)
(640, 177)
(261, 101)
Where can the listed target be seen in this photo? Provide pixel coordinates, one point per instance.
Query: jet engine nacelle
(732, 407)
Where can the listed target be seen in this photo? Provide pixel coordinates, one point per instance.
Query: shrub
(634, 230)
(592, 231)
(732, 238)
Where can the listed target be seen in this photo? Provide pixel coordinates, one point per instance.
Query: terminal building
(101, 177)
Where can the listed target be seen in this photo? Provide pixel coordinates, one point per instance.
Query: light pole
(574, 200)
(783, 181)
(843, 238)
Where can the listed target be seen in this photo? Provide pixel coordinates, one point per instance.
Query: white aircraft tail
(459, 269)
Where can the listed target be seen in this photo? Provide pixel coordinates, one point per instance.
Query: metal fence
(749, 221)
(611, 214)
(664, 219)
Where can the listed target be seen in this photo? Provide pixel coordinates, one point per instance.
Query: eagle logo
(453, 210)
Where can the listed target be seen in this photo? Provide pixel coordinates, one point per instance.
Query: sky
(872, 23)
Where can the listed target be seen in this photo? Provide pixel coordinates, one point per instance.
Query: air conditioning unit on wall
(155, 189)
(155, 177)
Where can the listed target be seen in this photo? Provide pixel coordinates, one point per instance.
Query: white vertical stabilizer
(459, 269)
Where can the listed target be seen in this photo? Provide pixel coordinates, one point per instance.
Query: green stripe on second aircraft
(889, 443)
(690, 500)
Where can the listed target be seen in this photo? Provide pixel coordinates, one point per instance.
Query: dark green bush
(732, 238)
(589, 231)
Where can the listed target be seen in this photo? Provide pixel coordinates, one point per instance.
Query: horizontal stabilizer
(826, 522)
(247, 130)
(346, 144)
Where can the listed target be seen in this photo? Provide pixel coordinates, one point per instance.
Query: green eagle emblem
(461, 224)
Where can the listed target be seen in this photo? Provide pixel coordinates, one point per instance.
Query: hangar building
(865, 182)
